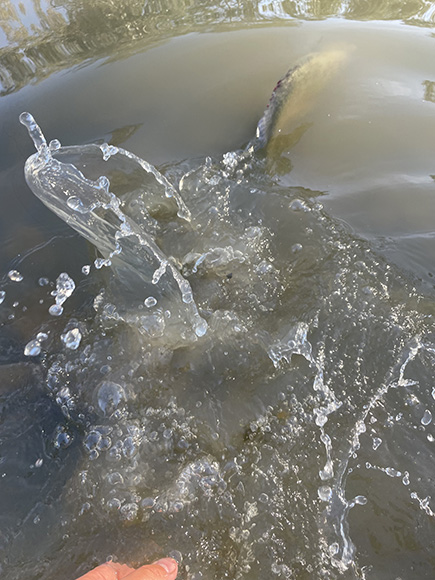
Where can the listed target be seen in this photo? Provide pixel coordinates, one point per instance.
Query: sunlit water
(242, 376)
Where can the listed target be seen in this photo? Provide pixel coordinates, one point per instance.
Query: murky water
(294, 437)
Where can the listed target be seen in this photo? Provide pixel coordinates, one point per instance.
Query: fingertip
(164, 569)
(169, 565)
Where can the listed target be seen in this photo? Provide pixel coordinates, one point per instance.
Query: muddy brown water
(295, 439)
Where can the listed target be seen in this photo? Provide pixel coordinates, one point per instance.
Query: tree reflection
(41, 37)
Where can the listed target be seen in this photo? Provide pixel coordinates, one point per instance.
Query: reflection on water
(54, 36)
(292, 437)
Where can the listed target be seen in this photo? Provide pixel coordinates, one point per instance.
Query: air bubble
(114, 503)
(62, 439)
(115, 478)
(109, 397)
(92, 440)
(129, 448)
(147, 503)
(129, 511)
(176, 555)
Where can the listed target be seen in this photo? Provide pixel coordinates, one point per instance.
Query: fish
(293, 96)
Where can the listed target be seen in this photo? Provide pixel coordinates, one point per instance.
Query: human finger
(108, 571)
(122, 569)
(165, 569)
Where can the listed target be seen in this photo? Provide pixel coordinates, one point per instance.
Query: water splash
(95, 212)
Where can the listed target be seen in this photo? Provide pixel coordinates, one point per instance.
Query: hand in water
(165, 569)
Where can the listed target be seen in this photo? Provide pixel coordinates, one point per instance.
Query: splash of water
(90, 207)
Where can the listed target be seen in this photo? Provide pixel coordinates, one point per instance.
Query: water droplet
(104, 182)
(43, 281)
(72, 338)
(100, 263)
(15, 276)
(376, 442)
(2, 295)
(324, 492)
(333, 549)
(32, 348)
(427, 417)
(360, 500)
(327, 472)
(65, 286)
(55, 310)
(321, 418)
(34, 130)
(201, 328)
(299, 205)
(108, 151)
(392, 472)
(86, 269)
(54, 145)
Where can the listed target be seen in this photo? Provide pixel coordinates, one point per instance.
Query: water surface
(295, 438)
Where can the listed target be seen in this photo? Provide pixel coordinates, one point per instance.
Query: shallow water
(295, 438)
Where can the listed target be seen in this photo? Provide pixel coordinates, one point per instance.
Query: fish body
(294, 95)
